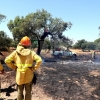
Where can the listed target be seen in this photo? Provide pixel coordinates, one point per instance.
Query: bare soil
(61, 80)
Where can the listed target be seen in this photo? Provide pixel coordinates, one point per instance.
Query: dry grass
(79, 51)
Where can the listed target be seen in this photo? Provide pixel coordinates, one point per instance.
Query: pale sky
(83, 14)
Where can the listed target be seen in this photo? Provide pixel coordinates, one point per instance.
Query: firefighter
(22, 60)
(2, 72)
(93, 54)
(1, 68)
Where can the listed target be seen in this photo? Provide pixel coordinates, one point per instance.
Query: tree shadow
(9, 90)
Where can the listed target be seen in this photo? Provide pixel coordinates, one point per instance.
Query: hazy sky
(83, 14)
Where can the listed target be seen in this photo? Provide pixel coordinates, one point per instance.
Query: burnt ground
(61, 80)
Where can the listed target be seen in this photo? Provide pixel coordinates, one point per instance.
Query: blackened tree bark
(41, 41)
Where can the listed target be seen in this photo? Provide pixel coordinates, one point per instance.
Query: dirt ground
(61, 80)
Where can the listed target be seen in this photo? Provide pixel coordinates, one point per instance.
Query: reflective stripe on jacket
(23, 60)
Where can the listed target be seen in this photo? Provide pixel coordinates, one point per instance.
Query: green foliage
(88, 46)
(34, 43)
(13, 44)
(97, 43)
(33, 25)
(5, 41)
(2, 17)
(97, 40)
(79, 44)
(84, 45)
(47, 44)
(91, 46)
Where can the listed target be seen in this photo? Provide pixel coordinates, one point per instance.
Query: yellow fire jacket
(22, 60)
(1, 67)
